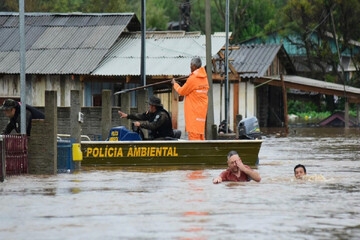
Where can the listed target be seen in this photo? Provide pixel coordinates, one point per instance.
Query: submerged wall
(90, 127)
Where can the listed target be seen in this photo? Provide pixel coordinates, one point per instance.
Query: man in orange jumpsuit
(196, 100)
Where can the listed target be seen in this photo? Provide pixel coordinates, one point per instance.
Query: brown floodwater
(167, 203)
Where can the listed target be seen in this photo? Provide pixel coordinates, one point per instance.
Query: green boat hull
(167, 153)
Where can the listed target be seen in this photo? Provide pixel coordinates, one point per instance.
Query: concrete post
(214, 132)
(358, 114)
(238, 119)
(106, 109)
(125, 107)
(346, 114)
(142, 106)
(75, 125)
(142, 99)
(42, 145)
(51, 119)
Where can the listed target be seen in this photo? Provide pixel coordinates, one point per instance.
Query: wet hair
(298, 166)
(231, 153)
(196, 61)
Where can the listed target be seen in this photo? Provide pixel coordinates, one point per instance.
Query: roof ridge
(64, 14)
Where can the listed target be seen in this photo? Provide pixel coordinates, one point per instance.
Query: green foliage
(247, 17)
(313, 115)
(311, 21)
(296, 107)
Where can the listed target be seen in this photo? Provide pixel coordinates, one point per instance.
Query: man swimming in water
(299, 171)
(237, 171)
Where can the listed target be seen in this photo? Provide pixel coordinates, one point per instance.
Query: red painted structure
(337, 120)
(14, 150)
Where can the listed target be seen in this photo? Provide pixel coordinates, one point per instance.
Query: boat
(167, 153)
(125, 148)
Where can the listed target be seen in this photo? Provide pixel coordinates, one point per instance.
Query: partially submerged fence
(14, 155)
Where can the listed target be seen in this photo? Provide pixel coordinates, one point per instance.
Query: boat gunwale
(171, 142)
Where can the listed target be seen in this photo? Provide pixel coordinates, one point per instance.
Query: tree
(308, 25)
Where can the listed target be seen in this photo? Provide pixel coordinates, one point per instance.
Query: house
(259, 75)
(337, 119)
(251, 62)
(168, 55)
(61, 50)
(298, 54)
(92, 52)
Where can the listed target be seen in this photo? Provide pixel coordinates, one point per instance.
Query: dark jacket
(159, 123)
(14, 123)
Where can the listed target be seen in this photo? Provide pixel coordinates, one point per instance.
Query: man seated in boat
(299, 171)
(156, 119)
(222, 128)
(237, 171)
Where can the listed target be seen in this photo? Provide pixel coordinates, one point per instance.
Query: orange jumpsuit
(196, 102)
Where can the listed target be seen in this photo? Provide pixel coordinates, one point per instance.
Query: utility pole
(143, 39)
(210, 111)
(227, 67)
(185, 9)
(22, 67)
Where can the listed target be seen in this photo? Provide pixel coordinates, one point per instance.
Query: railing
(14, 158)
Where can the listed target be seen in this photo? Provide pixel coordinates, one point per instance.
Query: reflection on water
(182, 203)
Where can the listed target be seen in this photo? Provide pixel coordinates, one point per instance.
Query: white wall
(247, 99)
(219, 104)
(247, 108)
(10, 87)
(181, 120)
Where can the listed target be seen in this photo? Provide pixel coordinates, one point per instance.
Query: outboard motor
(177, 133)
(121, 133)
(249, 128)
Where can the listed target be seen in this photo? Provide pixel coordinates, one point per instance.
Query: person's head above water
(231, 160)
(299, 171)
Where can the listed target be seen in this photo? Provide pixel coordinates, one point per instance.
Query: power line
(317, 26)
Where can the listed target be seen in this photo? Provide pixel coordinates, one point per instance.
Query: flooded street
(184, 204)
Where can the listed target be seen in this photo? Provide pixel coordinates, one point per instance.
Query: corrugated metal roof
(60, 43)
(77, 21)
(316, 84)
(253, 58)
(166, 55)
(91, 61)
(3, 19)
(75, 61)
(48, 36)
(94, 37)
(11, 58)
(109, 37)
(5, 33)
(78, 37)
